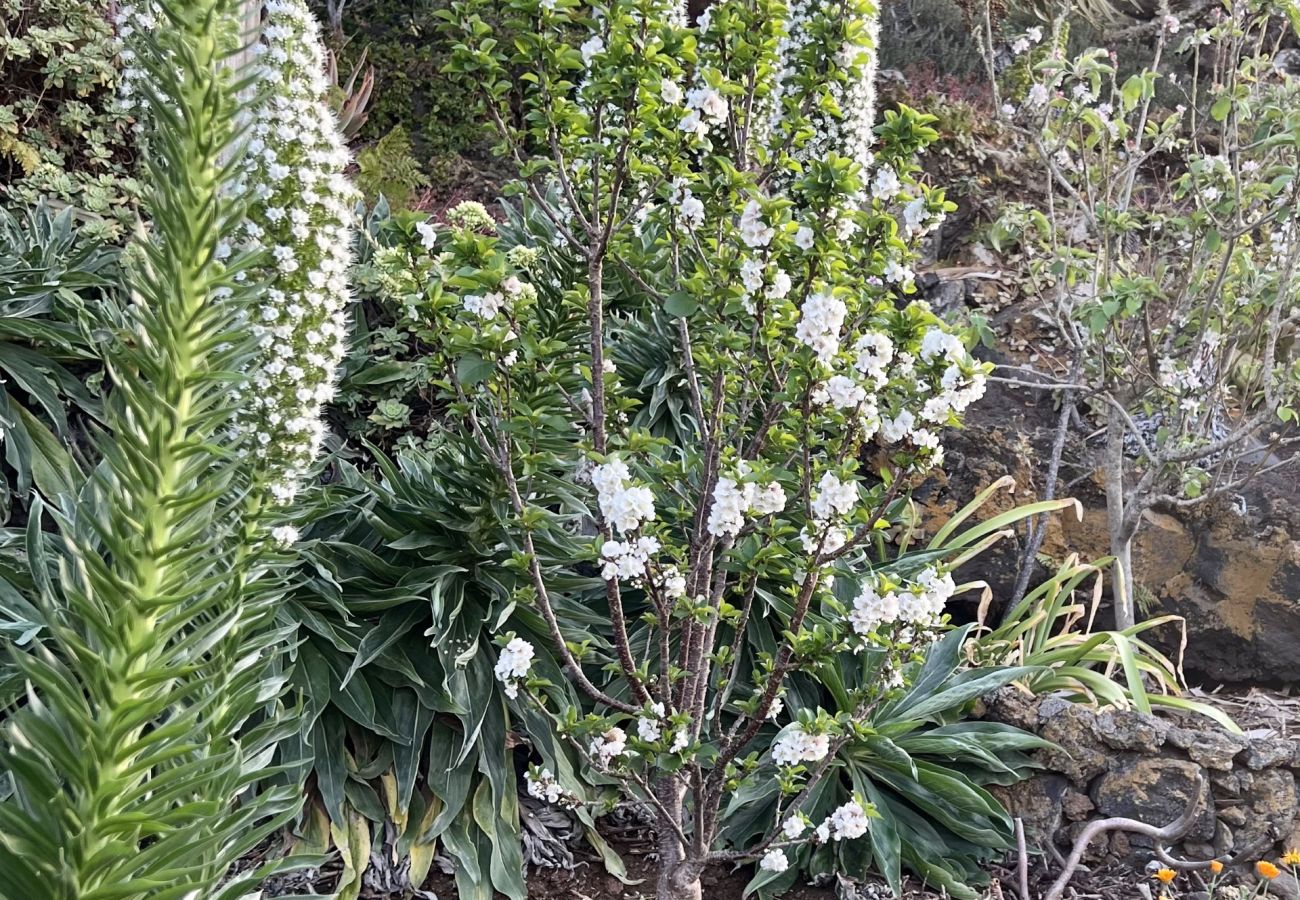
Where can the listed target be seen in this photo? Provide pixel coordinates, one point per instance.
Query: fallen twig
(1168, 833)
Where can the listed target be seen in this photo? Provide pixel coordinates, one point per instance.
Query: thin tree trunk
(679, 877)
(1037, 528)
(1121, 537)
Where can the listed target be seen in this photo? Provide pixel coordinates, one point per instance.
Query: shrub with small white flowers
(1165, 255)
(715, 195)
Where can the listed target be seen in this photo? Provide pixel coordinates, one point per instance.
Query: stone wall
(1120, 763)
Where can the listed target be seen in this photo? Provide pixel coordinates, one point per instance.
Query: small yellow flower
(1215, 866)
(1166, 875)
(1267, 870)
(1291, 857)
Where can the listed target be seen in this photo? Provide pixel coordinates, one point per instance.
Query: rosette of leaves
(407, 735)
(921, 764)
(56, 308)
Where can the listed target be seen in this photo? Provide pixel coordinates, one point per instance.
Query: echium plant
(1165, 256)
(132, 755)
(776, 270)
(300, 213)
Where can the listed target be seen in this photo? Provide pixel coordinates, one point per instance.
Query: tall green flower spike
(133, 754)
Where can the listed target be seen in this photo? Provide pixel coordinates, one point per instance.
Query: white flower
(693, 123)
(847, 822)
(609, 746)
(768, 499)
(670, 91)
(898, 428)
(733, 500)
(841, 392)
(820, 319)
(774, 861)
(726, 515)
(284, 535)
(711, 104)
(795, 745)
(874, 351)
(544, 786)
(834, 498)
(1037, 95)
(803, 238)
(753, 231)
(691, 210)
(485, 306)
(871, 609)
(648, 727)
(938, 342)
(780, 285)
(674, 583)
(623, 505)
(886, 184)
(681, 740)
(592, 46)
(428, 234)
(793, 827)
(513, 663)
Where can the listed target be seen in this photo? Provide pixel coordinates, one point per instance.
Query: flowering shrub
(688, 206)
(1165, 256)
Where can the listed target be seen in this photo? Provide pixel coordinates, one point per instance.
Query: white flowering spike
(848, 130)
(774, 861)
(301, 211)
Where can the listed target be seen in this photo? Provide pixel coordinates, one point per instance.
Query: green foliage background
(60, 135)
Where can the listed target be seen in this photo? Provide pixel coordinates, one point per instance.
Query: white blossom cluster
(834, 502)
(847, 130)
(820, 320)
(946, 376)
(513, 663)
(544, 786)
(609, 746)
(795, 745)
(631, 559)
(774, 860)
(623, 505)
(734, 499)
(919, 603)
(845, 823)
(301, 213)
